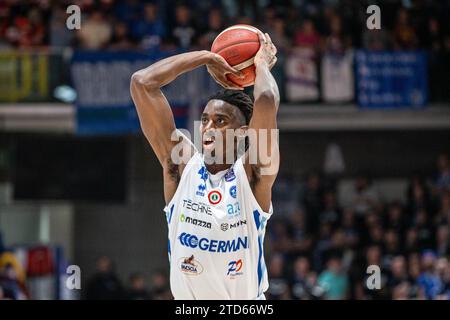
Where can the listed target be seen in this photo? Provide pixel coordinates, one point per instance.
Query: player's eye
(204, 120)
(220, 121)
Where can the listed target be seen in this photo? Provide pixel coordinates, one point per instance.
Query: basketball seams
(232, 45)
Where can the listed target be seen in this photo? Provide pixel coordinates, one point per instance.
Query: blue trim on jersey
(168, 248)
(170, 213)
(260, 271)
(256, 216)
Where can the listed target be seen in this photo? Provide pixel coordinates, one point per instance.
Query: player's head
(226, 110)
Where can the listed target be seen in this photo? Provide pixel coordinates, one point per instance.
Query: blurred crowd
(105, 284)
(320, 248)
(127, 24)
(172, 26)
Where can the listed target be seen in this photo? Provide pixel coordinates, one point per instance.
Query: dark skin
(158, 123)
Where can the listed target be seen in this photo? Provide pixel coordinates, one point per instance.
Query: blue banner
(391, 79)
(102, 82)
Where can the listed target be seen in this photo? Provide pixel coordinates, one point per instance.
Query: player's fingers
(272, 63)
(230, 84)
(262, 38)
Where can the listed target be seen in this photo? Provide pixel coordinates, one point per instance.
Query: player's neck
(215, 168)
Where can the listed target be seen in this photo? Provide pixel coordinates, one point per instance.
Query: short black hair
(237, 98)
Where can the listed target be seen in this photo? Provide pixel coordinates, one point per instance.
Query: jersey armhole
(183, 178)
(246, 184)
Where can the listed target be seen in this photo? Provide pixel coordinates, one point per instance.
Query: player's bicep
(263, 134)
(156, 118)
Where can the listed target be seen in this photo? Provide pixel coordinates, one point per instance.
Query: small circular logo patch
(214, 197)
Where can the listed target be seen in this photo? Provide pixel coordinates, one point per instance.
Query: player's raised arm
(154, 112)
(267, 100)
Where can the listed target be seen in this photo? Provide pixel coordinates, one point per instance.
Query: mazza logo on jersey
(205, 244)
(190, 266)
(234, 268)
(195, 222)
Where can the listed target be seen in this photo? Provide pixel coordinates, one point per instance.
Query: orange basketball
(238, 45)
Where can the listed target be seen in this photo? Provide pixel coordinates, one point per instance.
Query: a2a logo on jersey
(233, 210)
(235, 268)
(190, 266)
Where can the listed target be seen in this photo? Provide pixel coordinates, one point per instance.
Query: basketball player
(216, 212)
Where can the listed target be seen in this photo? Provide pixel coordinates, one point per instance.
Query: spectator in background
(442, 181)
(443, 215)
(398, 272)
(307, 36)
(301, 239)
(151, 29)
(364, 197)
(184, 30)
(405, 37)
(304, 285)
(104, 284)
(429, 282)
(333, 280)
(60, 36)
(331, 213)
(418, 196)
(424, 229)
(401, 291)
(337, 42)
(120, 39)
(137, 289)
(311, 198)
(95, 33)
(212, 30)
(395, 219)
(443, 241)
(376, 39)
(160, 289)
(278, 284)
(349, 228)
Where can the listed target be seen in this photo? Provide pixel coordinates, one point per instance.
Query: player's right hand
(218, 68)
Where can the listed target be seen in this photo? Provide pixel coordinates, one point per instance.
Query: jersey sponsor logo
(197, 207)
(214, 197)
(202, 187)
(205, 244)
(228, 226)
(233, 191)
(230, 176)
(233, 210)
(195, 222)
(234, 268)
(201, 190)
(190, 266)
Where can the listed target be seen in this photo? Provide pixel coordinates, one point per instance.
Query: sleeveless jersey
(216, 234)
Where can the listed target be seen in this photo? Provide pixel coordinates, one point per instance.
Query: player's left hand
(267, 51)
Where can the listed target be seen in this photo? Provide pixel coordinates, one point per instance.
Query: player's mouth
(209, 142)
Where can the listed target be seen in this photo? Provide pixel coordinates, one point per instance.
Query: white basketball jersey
(216, 235)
